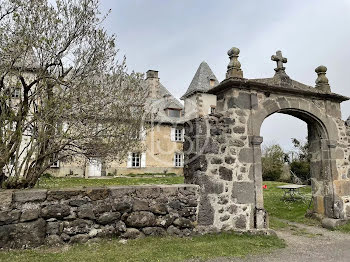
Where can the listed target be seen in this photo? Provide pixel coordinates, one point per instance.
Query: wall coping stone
(34, 195)
(29, 195)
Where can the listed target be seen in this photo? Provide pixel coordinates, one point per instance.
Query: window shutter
(143, 134)
(129, 160)
(183, 134)
(174, 159)
(143, 160)
(182, 159)
(172, 134)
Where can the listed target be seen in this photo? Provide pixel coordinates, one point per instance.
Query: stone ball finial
(234, 51)
(322, 80)
(321, 69)
(234, 66)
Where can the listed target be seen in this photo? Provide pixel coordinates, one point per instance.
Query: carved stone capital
(256, 140)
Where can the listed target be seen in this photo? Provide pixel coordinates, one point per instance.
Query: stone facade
(159, 152)
(221, 163)
(158, 148)
(29, 218)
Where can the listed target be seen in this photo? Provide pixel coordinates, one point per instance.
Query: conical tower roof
(201, 80)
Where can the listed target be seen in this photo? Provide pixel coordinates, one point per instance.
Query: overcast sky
(175, 36)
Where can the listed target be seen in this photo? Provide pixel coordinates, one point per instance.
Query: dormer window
(212, 82)
(173, 112)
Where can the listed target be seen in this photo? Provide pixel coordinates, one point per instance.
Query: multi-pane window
(178, 134)
(16, 93)
(178, 160)
(136, 160)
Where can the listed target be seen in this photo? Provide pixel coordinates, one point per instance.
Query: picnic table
(292, 190)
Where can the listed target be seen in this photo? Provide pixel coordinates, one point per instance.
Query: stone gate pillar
(223, 150)
(222, 160)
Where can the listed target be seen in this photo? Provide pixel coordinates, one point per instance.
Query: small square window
(178, 134)
(136, 160)
(212, 110)
(178, 159)
(16, 93)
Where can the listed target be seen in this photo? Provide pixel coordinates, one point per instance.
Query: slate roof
(163, 101)
(172, 102)
(28, 61)
(201, 80)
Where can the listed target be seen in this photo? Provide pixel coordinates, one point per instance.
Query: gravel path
(305, 243)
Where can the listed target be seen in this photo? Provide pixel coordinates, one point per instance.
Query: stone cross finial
(322, 80)
(280, 61)
(234, 67)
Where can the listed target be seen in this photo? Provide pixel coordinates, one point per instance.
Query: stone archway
(223, 153)
(320, 148)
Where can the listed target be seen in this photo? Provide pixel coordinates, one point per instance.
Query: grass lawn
(67, 182)
(151, 249)
(345, 228)
(283, 209)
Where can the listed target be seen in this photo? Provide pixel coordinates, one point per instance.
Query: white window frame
(16, 93)
(178, 159)
(178, 135)
(55, 164)
(135, 160)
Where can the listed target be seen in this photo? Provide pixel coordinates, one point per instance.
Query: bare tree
(63, 94)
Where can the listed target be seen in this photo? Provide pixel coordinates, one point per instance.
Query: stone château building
(163, 138)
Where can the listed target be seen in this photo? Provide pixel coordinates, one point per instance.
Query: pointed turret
(203, 80)
(197, 101)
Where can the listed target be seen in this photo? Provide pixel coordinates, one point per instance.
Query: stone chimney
(152, 81)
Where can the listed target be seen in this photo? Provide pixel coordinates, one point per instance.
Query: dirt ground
(305, 243)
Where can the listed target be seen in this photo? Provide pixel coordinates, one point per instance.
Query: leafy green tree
(300, 165)
(272, 162)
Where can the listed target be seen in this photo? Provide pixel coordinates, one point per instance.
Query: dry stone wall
(29, 218)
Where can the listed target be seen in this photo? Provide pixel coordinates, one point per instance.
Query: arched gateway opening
(223, 150)
(320, 166)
